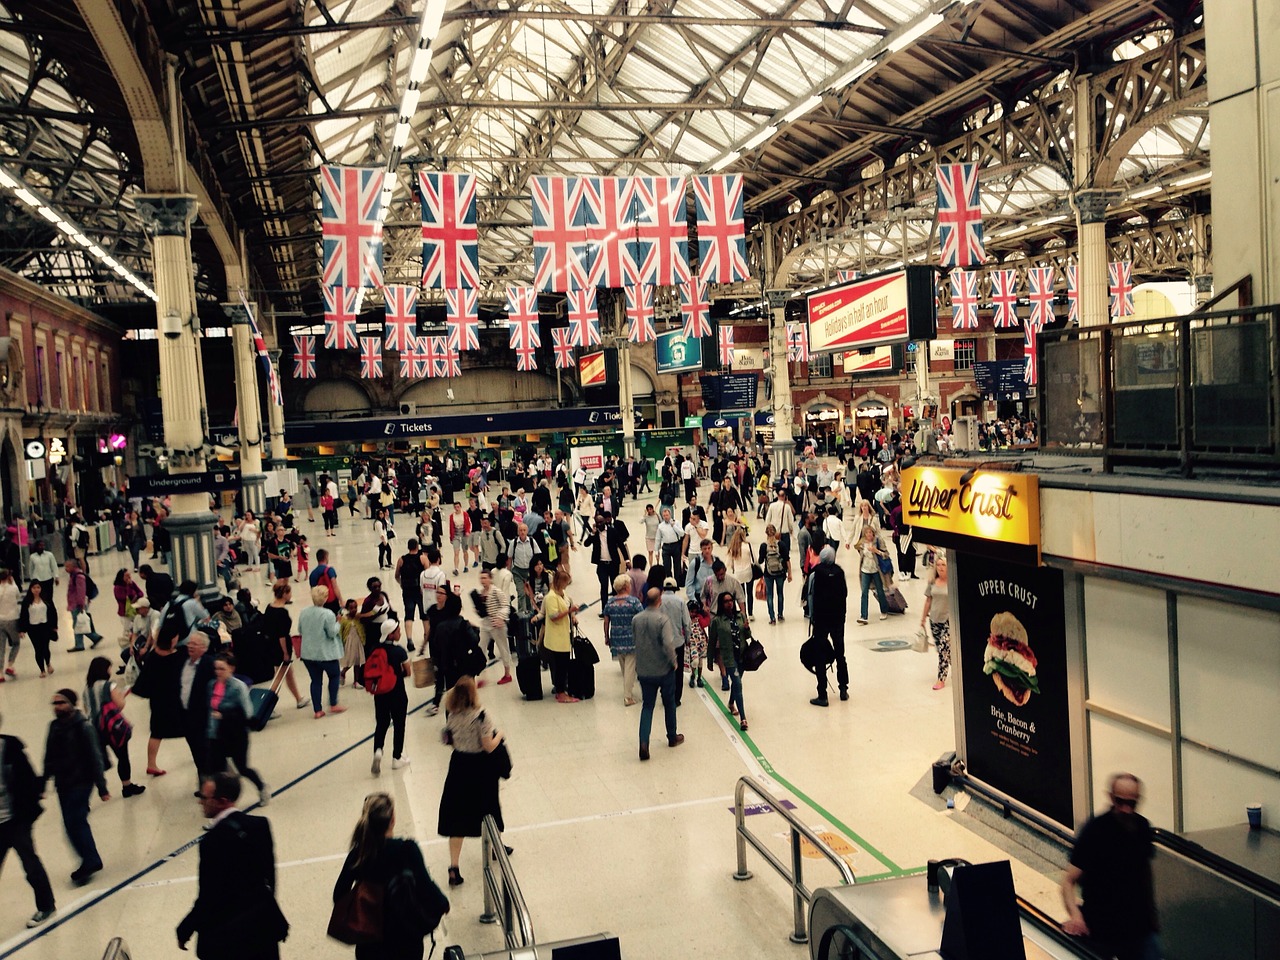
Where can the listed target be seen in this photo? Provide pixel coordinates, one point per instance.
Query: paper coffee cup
(1254, 812)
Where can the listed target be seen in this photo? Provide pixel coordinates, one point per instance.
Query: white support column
(252, 479)
(275, 420)
(784, 445)
(1090, 204)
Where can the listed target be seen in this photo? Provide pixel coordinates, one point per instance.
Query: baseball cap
(670, 583)
(141, 602)
(389, 627)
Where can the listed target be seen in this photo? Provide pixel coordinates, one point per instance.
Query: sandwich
(1009, 661)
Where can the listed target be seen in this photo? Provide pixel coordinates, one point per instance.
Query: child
(352, 633)
(695, 648)
(303, 557)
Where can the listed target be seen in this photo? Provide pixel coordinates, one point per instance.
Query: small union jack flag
(640, 313)
(522, 321)
(695, 308)
(844, 276)
(1030, 337)
(371, 358)
(1004, 298)
(722, 237)
(350, 199)
(584, 322)
(340, 317)
(452, 361)
(273, 386)
(421, 362)
(304, 357)
(435, 349)
(724, 341)
(450, 244)
(1073, 293)
(561, 252)
(1120, 278)
(964, 299)
(1040, 281)
(657, 251)
(401, 315)
(410, 361)
(562, 345)
(462, 318)
(798, 342)
(526, 358)
(959, 215)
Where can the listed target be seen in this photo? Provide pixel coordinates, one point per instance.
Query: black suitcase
(265, 701)
(529, 677)
(582, 678)
(895, 602)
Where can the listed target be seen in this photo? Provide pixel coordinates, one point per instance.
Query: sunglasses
(1130, 802)
(58, 703)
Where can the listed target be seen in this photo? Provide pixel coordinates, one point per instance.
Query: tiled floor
(603, 842)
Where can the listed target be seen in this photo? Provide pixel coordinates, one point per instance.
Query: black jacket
(20, 781)
(830, 595)
(195, 712)
(73, 754)
(160, 588)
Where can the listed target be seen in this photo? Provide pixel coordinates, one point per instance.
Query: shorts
(458, 542)
(412, 603)
(473, 540)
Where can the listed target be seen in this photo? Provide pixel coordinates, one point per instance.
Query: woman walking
(385, 534)
(275, 625)
(321, 649)
(775, 563)
(870, 552)
(471, 786)
(742, 566)
(161, 684)
(250, 533)
(229, 710)
(127, 593)
(728, 637)
(618, 614)
(99, 690)
(937, 616)
(38, 622)
(559, 613)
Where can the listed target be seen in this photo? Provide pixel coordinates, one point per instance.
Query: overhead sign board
(329, 430)
(591, 368)
(873, 311)
(676, 353)
(996, 514)
(1000, 379)
(729, 391)
(879, 360)
(942, 350)
(748, 358)
(35, 449)
(165, 484)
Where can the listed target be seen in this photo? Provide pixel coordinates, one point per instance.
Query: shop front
(764, 423)
(871, 415)
(724, 427)
(822, 426)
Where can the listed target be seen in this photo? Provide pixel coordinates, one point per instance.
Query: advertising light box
(676, 353)
(591, 367)
(874, 311)
(879, 360)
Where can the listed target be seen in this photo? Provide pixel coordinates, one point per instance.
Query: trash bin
(941, 775)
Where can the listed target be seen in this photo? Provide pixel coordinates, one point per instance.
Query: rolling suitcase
(582, 668)
(265, 701)
(895, 602)
(529, 677)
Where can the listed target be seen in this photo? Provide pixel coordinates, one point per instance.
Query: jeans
(93, 634)
(8, 642)
(17, 837)
(234, 748)
(74, 802)
(869, 580)
(318, 670)
(834, 632)
(667, 684)
(384, 555)
(773, 585)
(389, 710)
(735, 691)
(491, 637)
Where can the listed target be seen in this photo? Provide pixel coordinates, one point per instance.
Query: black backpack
(817, 654)
(174, 622)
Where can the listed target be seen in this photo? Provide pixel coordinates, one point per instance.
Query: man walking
(193, 687)
(783, 518)
(77, 603)
(522, 551)
(409, 575)
(656, 665)
(828, 595)
(494, 607)
(19, 808)
(390, 699)
(73, 761)
(607, 554)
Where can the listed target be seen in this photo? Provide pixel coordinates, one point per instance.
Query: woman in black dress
(161, 684)
(274, 628)
(471, 787)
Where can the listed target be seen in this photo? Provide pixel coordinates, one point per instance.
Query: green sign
(693, 420)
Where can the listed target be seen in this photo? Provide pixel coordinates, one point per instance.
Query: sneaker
(862, 621)
(433, 709)
(264, 795)
(40, 916)
(884, 616)
(132, 790)
(819, 702)
(505, 679)
(304, 702)
(940, 684)
(399, 763)
(376, 767)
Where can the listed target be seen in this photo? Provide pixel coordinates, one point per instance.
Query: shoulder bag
(357, 916)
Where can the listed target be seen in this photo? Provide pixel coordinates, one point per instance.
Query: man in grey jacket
(656, 669)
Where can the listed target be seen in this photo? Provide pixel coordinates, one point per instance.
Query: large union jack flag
(401, 315)
(1120, 286)
(608, 205)
(304, 357)
(561, 252)
(964, 299)
(1030, 337)
(350, 199)
(695, 308)
(798, 342)
(462, 318)
(522, 319)
(450, 239)
(657, 251)
(340, 317)
(1004, 298)
(1073, 293)
(640, 313)
(584, 322)
(562, 346)
(722, 236)
(370, 358)
(959, 215)
(724, 341)
(1040, 282)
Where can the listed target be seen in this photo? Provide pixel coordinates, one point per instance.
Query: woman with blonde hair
(741, 565)
(378, 858)
(559, 614)
(471, 786)
(322, 649)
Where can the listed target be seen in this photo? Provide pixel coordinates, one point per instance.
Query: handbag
(760, 589)
(584, 650)
(756, 571)
(501, 759)
(83, 622)
(357, 915)
(424, 672)
(886, 565)
(920, 642)
(753, 656)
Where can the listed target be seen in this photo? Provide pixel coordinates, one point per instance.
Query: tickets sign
(873, 311)
(592, 369)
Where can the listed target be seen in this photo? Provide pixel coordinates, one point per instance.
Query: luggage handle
(281, 672)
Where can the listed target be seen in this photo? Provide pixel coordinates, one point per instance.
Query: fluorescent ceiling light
(409, 105)
(760, 137)
(432, 17)
(800, 109)
(400, 137)
(727, 159)
(420, 66)
(853, 74)
(1193, 178)
(1045, 221)
(914, 33)
(9, 180)
(1146, 192)
(50, 215)
(27, 197)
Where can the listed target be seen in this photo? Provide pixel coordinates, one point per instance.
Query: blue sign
(729, 391)
(464, 425)
(677, 353)
(1000, 379)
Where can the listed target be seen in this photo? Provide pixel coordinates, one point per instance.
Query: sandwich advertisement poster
(1014, 680)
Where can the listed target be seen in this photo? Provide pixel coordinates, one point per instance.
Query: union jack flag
(584, 322)
(435, 355)
(370, 358)
(1004, 298)
(452, 361)
(340, 317)
(1040, 280)
(1073, 293)
(259, 345)
(964, 299)
(450, 239)
(658, 253)
(350, 199)
(609, 206)
(410, 361)
(1120, 280)
(844, 276)
(462, 318)
(724, 340)
(798, 342)
(1030, 336)
(562, 345)
(401, 315)
(273, 386)
(304, 357)
(561, 253)
(722, 236)
(959, 215)
(640, 313)
(695, 308)
(522, 319)
(421, 359)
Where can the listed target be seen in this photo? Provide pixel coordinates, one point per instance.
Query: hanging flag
(401, 315)
(798, 342)
(561, 252)
(350, 228)
(959, 215)
(304, 357)
(695, 308)
(1030, 336)
(657, 251)
(964, 299)
(434, 356)
(340, 317)
(450, 238)
(640, 313)
(1073, 293)
(410, 364)
(722, 236)
(725, 342)
(562, 345)
(844, 276)
(1120, 277)
(609, 206)
(462, 318)
(1004, 298)
(259, 343)
(273, 386)
(452, 360)
(421, 361)
(584, 322)
(522, 325)
(1040, 281)
(370, 358)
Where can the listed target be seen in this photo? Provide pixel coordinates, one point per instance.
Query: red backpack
(379, 677)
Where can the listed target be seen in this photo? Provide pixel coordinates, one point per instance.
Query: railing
(800, 894)
(117, 949)
(501, 888)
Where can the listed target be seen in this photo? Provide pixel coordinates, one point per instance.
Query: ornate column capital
(166, 215)
(235, 313)
(1091, 204)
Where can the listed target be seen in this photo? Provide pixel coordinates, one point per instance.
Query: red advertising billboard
(874, 311)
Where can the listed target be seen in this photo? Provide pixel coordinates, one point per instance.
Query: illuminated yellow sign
(973, 503)
(592, 369)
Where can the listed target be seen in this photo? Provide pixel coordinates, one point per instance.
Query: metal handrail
(117, 949)
(500, 886)
(800, 894)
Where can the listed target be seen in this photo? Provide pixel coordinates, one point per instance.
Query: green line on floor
(894, 869)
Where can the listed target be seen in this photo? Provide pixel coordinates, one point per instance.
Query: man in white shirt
(783, 517)
(687, 475)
